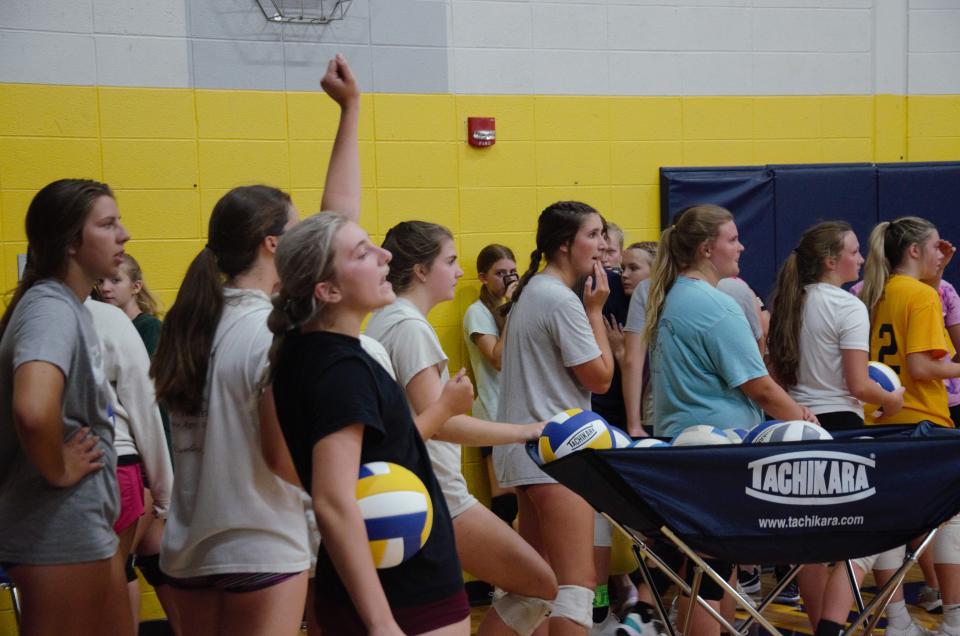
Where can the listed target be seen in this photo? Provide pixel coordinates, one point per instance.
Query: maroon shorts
(336, 618)
(130, 483)
(232, 583)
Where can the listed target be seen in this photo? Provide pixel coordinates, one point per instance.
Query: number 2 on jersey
(890, 349)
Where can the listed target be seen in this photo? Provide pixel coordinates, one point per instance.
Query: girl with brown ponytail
(815, 323)
(556, 354)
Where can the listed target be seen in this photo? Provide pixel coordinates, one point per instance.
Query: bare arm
(272, 444)
(336, 463)
(490, 347)
(634, 356)
(37, 397)
(774, 400)
(862, 387)
(923, 366)
(341, 191)
(596, 374)
(425, 388)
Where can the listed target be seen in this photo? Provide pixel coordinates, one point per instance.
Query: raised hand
(339, 82)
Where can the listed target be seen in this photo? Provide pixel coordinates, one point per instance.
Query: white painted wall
(628, 47)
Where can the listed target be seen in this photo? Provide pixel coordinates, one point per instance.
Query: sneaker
(913, 629)
(607, 628)
(634, 625)
(749, 581)
(929, 599)
(790, 595)
(747, 596)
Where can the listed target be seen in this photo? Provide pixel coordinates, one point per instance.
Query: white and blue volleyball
(648, 442)
(574, 430)
(792, 431)
(736, 435)
(759, 428)
(701, 435)
(396, 510)
(884, 376)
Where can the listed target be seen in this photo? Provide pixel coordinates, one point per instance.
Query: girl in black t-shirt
(338, 409)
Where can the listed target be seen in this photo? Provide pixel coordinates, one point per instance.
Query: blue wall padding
(747, 192)
(774, 204)
(930, 190)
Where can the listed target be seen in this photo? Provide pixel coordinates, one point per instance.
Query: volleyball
(884, 376)
(575, 429)
(396, 510)
(759, 428)
(701, 435)
(735, 435)
(648, 442)
(792, 431)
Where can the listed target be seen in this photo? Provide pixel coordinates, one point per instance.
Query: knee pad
(946, 545)
(128, 570)
(710, 590)
(505, 507)
(522, 614)
(574, 603)
(150, 568)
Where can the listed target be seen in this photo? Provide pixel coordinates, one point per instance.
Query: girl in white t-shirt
(236, 547)
(424, 273)
(58, 483)
(483, 333)
(815, 324)
(556, 354)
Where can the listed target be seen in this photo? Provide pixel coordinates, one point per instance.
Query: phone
(510, 279)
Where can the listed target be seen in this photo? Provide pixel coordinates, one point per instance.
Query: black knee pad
(505, 507)
(671, 556)
(128, 569)
(150, 568)
(709, 589)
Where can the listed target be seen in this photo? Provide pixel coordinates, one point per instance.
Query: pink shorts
(130, 483)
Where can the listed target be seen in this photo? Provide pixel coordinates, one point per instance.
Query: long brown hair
(486, 259)
(240, 221)
(557, 226)
(805, 265)
(679, 243)
(146, 301)
(54, 223)
(888, 242)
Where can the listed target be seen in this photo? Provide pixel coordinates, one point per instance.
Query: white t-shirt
(139, 427)
(479, 320)
(832, 320)
(230, 513)
(549, 333)
(413, 346)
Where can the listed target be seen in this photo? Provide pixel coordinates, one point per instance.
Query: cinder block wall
(173, 102)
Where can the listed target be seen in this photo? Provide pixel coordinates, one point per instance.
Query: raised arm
(596, 374)
(341, 191)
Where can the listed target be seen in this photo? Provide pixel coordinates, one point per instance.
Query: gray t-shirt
(637, 312)
(548, 333)
(733, 287)
(43, 524)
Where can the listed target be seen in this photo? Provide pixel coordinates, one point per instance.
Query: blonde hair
(889, 241)
(304, 257)
(146, 301)
(691, 228)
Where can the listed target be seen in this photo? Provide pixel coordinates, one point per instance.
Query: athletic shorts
(233, 583)
(889, 560)
(130, 484)
(342, 618)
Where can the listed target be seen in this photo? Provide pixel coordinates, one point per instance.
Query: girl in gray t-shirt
(555, 355)
(58, 487)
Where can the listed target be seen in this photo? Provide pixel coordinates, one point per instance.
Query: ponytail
(179, 367)
(535, 257)
(691, 228)
(240, 221)
(889, 242)
(805, 265)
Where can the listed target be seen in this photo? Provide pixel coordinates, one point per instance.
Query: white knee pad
(602, 531)
(946, 545)
(522, 614)
(889, 560)
(574, 603)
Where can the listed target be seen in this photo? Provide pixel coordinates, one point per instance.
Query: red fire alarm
(481, 131)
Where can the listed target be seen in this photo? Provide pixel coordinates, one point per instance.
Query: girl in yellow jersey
(908, 334)
(906, 318)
